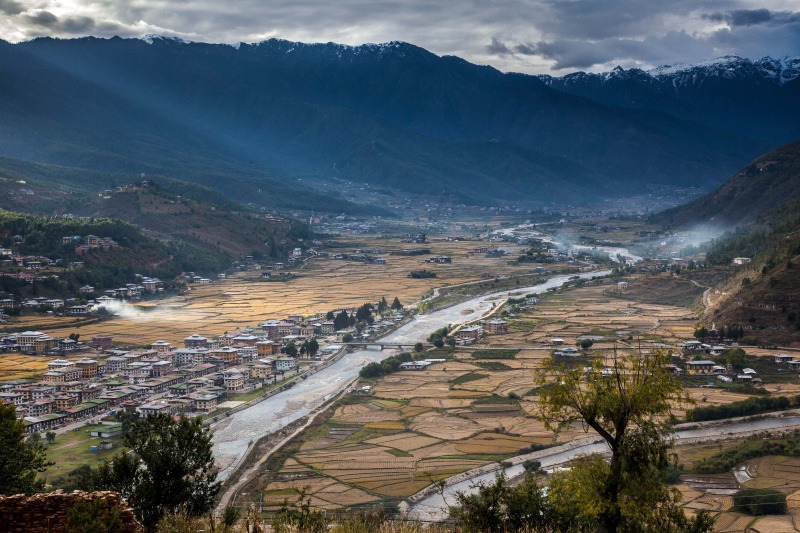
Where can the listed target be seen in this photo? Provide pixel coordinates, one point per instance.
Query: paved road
(234, 435)
(435, 508)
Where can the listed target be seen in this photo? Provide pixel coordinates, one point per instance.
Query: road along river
(234, 435)
(435, 506)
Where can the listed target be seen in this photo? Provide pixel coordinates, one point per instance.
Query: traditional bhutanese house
(700, 366)
(470, 333)
(497, 326)
(161, 346)
(267, 348)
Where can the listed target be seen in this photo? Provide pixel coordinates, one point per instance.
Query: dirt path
(705, 294)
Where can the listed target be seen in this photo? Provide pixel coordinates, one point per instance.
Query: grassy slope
(768, 304)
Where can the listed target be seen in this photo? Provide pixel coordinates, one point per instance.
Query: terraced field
(419, 426)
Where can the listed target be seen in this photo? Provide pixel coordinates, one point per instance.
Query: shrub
(495, 354)
(95, 516)
(750, 406)
(723, 461)
(759, 501)
(531, 465)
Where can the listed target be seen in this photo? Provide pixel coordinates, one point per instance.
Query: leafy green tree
(701, 333)
(313, 347)
(300, 517)
(585, 344)
(290, 349)
(396, 305)
(169, 468)
(372, 370)
(127, 419)
(20, 460)
(419, 347)
(500, 508)
(347, 337)
(759, 501)
(383, 305)
(629, 408)
(364, 312)
(230, 516)
(50, 436)
(341, 321)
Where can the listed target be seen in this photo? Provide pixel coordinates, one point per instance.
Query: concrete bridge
(373, 345)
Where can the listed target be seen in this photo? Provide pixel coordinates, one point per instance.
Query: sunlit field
(323, 284)
(18, 366)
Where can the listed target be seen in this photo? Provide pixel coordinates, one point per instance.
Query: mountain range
(757, 99)
(254, 121)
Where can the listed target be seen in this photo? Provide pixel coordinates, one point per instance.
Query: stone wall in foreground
(48, 513)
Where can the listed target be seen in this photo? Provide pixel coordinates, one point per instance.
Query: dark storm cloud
(519, 35)
(751, 17)
(496, 48)
(11, 7)
(70, 25)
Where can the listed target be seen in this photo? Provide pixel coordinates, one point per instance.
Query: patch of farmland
(436, 450)
(732, 522)
(774, 524)
(793, 500)
(491, 443)
(404, 441)
(363, 413)
(441, 403)
(20, 366)
(339, 494)
(780, 473)
(719, 484)
(386, 424)
(444, 426)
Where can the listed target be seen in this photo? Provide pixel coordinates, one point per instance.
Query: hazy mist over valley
(384, 267)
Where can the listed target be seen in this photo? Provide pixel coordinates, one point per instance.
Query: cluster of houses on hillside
(83, 306)
(89, 242)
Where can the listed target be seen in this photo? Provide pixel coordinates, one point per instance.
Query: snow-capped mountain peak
(780, 70)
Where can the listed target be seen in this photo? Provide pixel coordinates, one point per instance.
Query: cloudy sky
(534, 36)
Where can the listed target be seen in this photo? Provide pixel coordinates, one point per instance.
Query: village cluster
(93, 378)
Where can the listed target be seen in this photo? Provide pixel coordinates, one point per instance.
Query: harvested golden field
(19, 366)
(473, 409)
(322, 284)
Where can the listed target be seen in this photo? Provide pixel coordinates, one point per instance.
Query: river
(528, 231)
(234, 435)
(434, 508)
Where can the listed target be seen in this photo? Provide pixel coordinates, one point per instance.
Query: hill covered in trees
(765, 184)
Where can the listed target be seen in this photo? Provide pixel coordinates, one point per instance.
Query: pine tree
(20, 460)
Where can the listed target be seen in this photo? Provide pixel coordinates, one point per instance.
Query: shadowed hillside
(766, 183)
